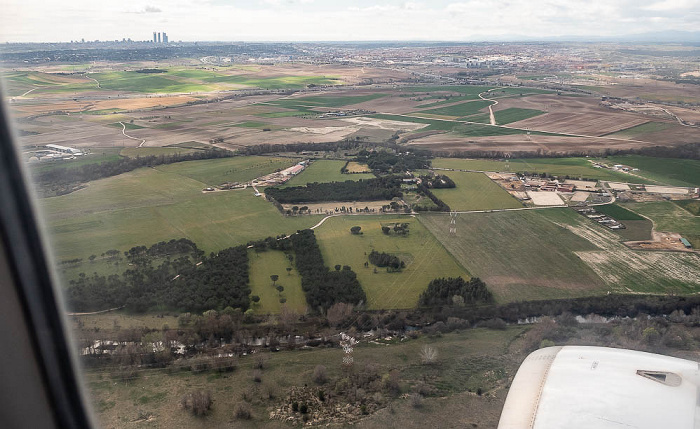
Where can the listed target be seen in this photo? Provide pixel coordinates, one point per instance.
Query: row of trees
(142, 254)
(443, 291)
(684, 151)
(56, 180)
(323, 287)
(384, 188)
(301, 147)
(182, 284)
(440, 206)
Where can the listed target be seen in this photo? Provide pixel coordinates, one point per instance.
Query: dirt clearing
(545, 198)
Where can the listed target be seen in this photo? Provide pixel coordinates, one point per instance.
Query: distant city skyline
(361, 20)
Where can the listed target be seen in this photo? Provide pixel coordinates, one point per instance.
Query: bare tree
(428, 355)
(338, 312)
(416, 400)
(199, 402)
(320, 375)
(287, 316)
(242, 411)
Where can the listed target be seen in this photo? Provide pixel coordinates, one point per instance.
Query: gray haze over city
(363, 20)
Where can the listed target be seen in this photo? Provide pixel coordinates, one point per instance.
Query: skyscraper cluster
(158, 39)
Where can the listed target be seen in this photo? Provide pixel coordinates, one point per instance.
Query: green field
(482, 118)
(521, 255)
(432, 124)
(625, 270)
(516, 92)
(425, 258)
(641, 129)
(477, 130)
(693, 206)
(324, 171)
(302, 106)
(237, 169)
(514, 114)
(475, 191)
(255, 124)
(671, 171)
(133, 152)
(413, 199)
(325, 101)
(669, 217)
(97, 155)
(465, 90)
(262, 266)
(190, 145)
(145, 206)
(448, 100)
(573, 167)
(178, 80)
(461, 109)
(293, 82)
(618, 213)
(150, 83)
(468, 130)
(636, 230)
(19, 82)
(127, 125)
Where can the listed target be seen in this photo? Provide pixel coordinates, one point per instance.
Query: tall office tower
(158, 37)
(154, 37)
(165, 37)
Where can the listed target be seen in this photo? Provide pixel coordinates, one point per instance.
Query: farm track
(33, 89)
(96, 81)
(680, 121)
(143, 141)
(492, 118)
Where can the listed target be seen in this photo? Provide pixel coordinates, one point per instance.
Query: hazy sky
(313, 20)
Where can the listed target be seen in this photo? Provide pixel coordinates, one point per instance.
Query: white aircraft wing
(576, 387)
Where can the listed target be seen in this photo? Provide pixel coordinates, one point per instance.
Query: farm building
(686, 243)
(550, 186)
(64, 149)
(293, 171)
(566, 187)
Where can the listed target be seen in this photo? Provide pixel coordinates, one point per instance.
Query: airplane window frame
(31, 278)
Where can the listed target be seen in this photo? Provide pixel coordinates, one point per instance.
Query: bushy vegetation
(323, 287)
(438, 182)
(693, 206)
(382, 259)
(384, 188)
(198, 402)
(190, 282)
(441, 291)
(387, 162)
